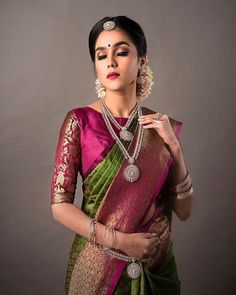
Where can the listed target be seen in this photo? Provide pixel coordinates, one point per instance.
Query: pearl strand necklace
(131, 172)
(124, 133)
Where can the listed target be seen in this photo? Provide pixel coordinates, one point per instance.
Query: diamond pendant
(131, 173)
(126, 135)
(134, 270)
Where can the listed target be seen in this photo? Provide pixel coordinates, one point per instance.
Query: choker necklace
(131, 172)
(124, 133)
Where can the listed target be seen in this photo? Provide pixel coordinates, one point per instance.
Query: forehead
(111, 37)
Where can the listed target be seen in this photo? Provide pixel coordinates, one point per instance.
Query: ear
(142, 61)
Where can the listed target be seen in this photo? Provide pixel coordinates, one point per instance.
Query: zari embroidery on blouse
(67, 161)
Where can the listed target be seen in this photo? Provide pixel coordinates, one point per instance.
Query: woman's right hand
(141, 246)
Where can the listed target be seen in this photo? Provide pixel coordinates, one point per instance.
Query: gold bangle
(182, 181)
(114, 237)
(94, 233)
(91, 229)
(103, 242)
(92, 238)
(110, 241)
(185, 195)
(182, 186)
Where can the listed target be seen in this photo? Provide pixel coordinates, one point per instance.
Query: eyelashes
(122, 53)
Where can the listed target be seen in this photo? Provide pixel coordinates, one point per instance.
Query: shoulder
(78, 114)
(70, 123)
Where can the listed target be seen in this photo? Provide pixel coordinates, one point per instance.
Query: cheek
(98, 68)
(101, 71)
(132, 68)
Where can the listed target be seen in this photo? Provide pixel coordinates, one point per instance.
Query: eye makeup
(120, 53)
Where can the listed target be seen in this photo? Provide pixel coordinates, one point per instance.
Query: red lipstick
(112, 75)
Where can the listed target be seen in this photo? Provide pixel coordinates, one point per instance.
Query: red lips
(112, 75)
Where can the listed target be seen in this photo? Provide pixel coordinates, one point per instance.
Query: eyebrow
(115, 45)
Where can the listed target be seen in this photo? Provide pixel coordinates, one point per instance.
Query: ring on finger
(157, 121)
(157, 116)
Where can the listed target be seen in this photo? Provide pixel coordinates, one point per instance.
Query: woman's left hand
(162, 127)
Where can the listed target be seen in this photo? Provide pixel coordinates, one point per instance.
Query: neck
(120, 104)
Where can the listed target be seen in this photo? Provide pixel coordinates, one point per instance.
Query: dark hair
(132, 28)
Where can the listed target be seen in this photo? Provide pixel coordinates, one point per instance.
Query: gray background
(46, 70)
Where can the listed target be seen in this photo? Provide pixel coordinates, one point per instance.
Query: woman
(131, 163)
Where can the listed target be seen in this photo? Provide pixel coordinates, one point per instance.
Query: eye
(101, 57)
(122, 53)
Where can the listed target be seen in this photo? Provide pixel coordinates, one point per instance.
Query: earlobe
(142, 61)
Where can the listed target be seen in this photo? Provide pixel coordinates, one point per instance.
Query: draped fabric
(85, 146)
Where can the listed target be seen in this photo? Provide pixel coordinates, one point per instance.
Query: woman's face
(115, 52)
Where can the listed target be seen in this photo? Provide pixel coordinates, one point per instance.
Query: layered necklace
(124, 133)
(131, 172)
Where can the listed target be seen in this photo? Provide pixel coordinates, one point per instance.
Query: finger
(152, 125)
(152, 115)
(155, 242)
(153, 251)
(150, 120)
(149, 256)
(144, 118)
(147, 259)
(149, 235)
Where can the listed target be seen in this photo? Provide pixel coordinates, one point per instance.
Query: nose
(111, 62)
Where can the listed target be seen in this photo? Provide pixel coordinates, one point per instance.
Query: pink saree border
(122, 264)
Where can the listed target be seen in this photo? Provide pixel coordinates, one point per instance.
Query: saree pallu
(113, 201)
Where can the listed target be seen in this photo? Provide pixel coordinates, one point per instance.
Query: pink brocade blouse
(83, 142)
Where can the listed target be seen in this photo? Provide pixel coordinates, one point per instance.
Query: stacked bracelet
(134, 269)
(111, 239)
(92, 230)
(184, 188)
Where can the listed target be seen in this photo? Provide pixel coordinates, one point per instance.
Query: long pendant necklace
(133, 269)
(131, 172)
(124, 133)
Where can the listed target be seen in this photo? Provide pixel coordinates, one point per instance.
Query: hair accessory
(109, 25)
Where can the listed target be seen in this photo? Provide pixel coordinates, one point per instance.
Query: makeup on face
(117, 45)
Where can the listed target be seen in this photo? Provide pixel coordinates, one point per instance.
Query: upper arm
(67, 161)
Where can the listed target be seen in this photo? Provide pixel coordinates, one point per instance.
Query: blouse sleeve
(67, 161)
